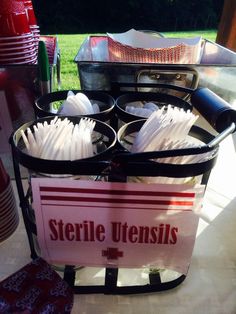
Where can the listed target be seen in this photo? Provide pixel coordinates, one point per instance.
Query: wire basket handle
(213, 108)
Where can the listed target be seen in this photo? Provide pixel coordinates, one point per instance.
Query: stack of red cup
(51, 44)
(9, 218)
(17, 42)
(32, 21)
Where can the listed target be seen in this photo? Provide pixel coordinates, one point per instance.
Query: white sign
(111, 224)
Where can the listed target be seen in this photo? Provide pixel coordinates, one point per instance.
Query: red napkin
(36, 289)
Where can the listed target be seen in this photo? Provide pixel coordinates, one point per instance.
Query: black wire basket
(138, 99)
(118, 164)
(106, 103)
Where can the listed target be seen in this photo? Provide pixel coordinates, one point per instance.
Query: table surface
(211, 280)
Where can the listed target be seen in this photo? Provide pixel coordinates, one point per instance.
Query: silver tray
(216, 70)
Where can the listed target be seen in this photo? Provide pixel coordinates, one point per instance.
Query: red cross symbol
(112, 253)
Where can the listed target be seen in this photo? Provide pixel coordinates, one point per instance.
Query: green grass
(70, 44)
(207, 34)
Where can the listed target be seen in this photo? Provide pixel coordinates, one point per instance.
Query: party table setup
(112, 175)
(19, 74)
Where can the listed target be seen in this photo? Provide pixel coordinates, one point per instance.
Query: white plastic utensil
(86, 102)
(76, 104)
(60, 139)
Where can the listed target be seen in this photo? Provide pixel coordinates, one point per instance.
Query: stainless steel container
(216, 70)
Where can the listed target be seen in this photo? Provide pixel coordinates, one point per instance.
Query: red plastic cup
(16, 40)
(31, 17)
(22, 62)
(30, 13)
(17, 49)
(16, 46)
(14, 54)
(13, 18)
(4, 177)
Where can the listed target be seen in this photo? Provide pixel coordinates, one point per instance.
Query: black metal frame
(106, 103)
(116, 163)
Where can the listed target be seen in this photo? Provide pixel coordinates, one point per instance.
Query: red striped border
(115, 192)
(114, 200)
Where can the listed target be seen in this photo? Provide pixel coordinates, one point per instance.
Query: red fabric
(36, 289)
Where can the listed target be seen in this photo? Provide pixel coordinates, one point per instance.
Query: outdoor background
(69, 45)
(89, 16)
(73, 20)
